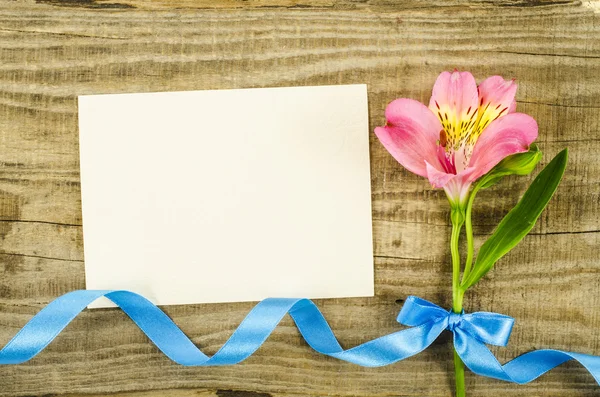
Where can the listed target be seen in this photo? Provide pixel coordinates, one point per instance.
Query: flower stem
(458, 219)
(459, 375)
(469, 233)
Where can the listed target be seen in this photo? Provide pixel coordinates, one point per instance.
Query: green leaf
(520, 220)
(516, 164)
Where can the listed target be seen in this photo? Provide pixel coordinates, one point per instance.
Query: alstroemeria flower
(465, 131)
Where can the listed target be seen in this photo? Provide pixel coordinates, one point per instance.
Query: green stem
(459, 375)
(458, 219)
(469, 233)
(457, 223)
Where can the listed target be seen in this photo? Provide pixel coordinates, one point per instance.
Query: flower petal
(496, 99)
(411, 134)
(507, 135)
(455, 99)
(498, 94)
(457, 188)
(457, 90)
(436, 177)
(513, 107)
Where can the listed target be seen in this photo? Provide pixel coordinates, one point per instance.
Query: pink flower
(464, 133)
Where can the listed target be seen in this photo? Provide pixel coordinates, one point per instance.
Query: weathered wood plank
(52, 51)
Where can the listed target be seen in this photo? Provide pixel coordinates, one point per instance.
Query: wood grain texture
(51, 51)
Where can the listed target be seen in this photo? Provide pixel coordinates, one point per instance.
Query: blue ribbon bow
(427, 321)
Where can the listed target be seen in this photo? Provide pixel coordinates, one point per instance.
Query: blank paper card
(227, 195)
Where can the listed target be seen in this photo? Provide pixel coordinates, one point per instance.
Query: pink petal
(513, 107)
(411, 134)
(457, 188)
(497, 96)
(436, 177)
(446, 165)
(507, 135)
(457, 92)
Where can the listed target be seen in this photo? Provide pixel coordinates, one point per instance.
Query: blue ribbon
(427, 321)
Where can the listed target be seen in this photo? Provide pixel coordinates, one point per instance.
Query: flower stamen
(443, 138)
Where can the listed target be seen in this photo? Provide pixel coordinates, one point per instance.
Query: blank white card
(227, 195)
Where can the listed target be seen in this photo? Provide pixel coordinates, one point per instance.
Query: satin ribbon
(427, 321)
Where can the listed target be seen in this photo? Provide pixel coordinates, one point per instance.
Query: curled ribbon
(427, 321)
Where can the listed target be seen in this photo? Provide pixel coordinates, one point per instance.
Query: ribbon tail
(151, 320)
(477, 357)
(531, 365)
(382, 351)
(245, 340)
(522, 369)
(45, 326)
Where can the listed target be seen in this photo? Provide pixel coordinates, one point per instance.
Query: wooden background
(52, 50)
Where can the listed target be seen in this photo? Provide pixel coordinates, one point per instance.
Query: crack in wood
(42, 222)
(560, 105)
(241, 393)
(85, 4)
(66, 34)
(40, 257)
(548, 54)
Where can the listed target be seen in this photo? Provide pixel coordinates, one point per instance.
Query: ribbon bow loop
(490, 328)
(417, 311)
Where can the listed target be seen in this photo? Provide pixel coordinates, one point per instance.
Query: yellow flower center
(463, 130)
